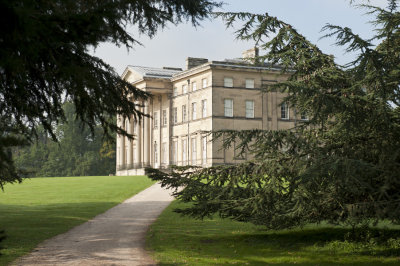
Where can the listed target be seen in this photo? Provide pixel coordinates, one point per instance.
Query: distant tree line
(77, 153)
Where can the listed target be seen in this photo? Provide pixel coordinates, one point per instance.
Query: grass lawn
(40, 208)
(176, 240)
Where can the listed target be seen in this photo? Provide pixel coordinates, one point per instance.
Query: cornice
(226, 65)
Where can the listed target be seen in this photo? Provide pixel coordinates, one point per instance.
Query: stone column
(161, 132)
(137, 155)
(151, 152)
(139, 141)
(122, 149)
(129, 144)
(119, 144)
(170, 125)
(146, 137)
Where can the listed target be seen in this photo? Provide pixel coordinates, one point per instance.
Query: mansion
(187, 104)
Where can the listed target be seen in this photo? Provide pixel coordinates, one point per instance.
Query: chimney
(251, 53)
(192, 62)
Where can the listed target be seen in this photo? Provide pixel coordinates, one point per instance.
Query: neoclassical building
(187, 104)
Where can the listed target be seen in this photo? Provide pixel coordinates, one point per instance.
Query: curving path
(116, 237)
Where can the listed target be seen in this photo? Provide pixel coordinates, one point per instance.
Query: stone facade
(187, 104)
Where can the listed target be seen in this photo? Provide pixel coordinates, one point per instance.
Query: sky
(172, 45)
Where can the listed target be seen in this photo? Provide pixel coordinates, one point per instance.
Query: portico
(134, 155)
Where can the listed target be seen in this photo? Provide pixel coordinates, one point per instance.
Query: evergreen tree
(8, 139)
(44, 58)
(343, 165)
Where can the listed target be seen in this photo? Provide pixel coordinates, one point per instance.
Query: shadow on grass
(225, 242)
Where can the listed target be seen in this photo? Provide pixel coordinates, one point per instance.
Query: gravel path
(115, 237)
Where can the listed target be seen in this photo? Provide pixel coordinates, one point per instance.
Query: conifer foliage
(340, 166)
(45, 59)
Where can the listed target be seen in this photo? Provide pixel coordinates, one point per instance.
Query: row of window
(228, 83)
(184, 151)
(228, 112)
(249, 83)
(184, 114)
(194, 87)
(228, 108)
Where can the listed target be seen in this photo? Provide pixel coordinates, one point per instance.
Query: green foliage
(45, 59)
(77, 152)
(341, 166)
(40, 208)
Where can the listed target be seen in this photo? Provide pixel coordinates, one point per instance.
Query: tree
(78, 151)
(343, 165)
(29, 159)
(44, 59)
(8, 139)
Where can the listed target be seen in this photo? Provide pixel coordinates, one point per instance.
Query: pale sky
(212, 40)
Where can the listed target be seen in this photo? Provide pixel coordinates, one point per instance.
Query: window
(184, 150)
(284, 111)
(194, 151)
(175, 91)
(204, 108)
(175, 115)
(194, 113)
(204, 83)
(204, 150)
(228, 107)
(155, 152)
(164, 152)
(164, 117)
(155, 120)
(183, 113)
(228, 82)
(303, 116)
(249, 109)
(249, 83)
(194, 86)
(184, 89)
(175, 152)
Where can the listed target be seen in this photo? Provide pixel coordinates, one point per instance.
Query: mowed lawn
(40, 208)
(177, 240)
